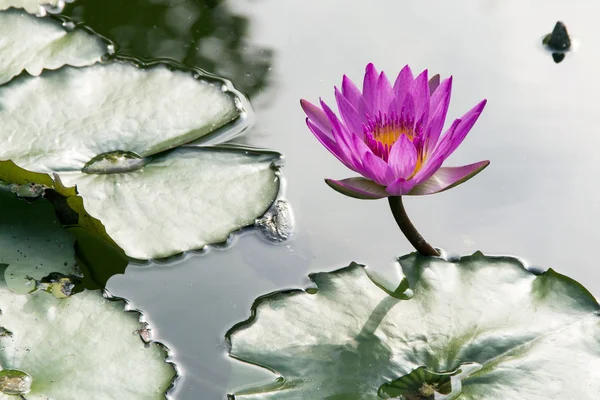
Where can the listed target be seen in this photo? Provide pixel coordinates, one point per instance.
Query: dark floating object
(558, 42)
(558, 57)
(559, 38)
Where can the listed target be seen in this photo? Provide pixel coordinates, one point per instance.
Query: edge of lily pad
(68, 25)
(537, 272)
(68, 205)
(71, 212)
(406, 282)
(148, 342)
(309, 290)
(231, 129)
(276, 165)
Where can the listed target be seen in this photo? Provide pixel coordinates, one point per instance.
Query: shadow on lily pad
(480, 327)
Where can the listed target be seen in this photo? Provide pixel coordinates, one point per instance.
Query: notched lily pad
(68, 117)
(81, 347)
(479, 328)
(32, 44)
(181, 200)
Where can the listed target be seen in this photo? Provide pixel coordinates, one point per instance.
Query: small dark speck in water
(558, 42)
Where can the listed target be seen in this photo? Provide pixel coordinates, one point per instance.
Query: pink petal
(346, 150)
(342, 137)
(420, 92)
(317, 116)
(403, 158)
(385, 93)
(448, 177)
(349, 114)
(403, 84)
(436, 123)
(452, 139)
(399, 187)
(376, 169)
(431, 165)
(359, 188)
(370, 87)
(329, 144)
(408, 110)
(336, 124)
(351, 92)
(445, 88)
(434, 82)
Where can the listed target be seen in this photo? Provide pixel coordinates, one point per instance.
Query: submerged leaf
(33, 44)
(180, 200)
(66, 118)
(32, 243)
(81, 347)
(98, 259)
(495, 329)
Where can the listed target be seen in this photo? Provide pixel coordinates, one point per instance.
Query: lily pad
(479, 328)
(66, 118)
(180, 200)
(34, 6)
(32, 44)
(33, 244)
(82, 347)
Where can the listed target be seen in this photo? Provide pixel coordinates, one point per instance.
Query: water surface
(539, 198)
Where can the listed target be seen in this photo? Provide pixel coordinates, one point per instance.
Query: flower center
(384, 130)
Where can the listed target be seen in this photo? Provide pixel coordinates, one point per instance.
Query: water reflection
(197, 33)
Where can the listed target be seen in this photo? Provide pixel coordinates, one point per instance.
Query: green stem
(409, 230)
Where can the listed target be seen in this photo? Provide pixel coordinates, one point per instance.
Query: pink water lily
(391, 135)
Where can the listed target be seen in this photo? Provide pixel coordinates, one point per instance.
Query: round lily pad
(66, 118)
(82, 347)
(479, 328)
(180, 200)
(32, 44)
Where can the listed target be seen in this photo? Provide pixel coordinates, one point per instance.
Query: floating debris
(59, 285)
(558, 42)
(5, 332)
(28, 190)
(559, 39)
(558, 57)
(145, 333)
(278, 223)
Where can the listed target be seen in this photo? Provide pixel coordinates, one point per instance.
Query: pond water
(538, 200)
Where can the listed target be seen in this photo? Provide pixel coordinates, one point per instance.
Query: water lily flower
(391, 135)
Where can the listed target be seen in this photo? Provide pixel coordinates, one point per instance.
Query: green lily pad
(33, 244)
(180, 200)
(479, 328)
(82, 347)
(34, 6)
(63, 119)
(32, 44)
